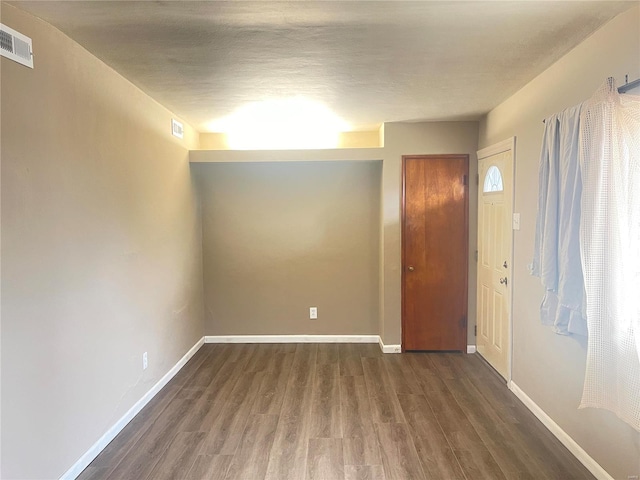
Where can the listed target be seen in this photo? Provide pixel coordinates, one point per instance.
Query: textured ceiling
(369, 62)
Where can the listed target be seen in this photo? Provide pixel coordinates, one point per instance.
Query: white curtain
(556, 257)
(610, 250)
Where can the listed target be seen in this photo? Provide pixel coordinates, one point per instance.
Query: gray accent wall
(281, 237)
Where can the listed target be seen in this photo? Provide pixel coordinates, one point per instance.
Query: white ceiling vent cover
(15, 46)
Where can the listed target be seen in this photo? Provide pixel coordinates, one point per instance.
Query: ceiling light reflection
(290, 123)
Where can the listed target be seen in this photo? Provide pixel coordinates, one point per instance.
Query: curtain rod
(623, 89)
(628, 86)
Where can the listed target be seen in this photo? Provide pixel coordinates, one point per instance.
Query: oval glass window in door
(493, 180)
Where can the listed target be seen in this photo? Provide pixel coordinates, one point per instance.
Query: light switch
(516, 221)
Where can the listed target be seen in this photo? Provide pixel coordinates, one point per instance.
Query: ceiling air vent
(177, 128)
(15, 46)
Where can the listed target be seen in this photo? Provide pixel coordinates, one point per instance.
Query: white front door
(495, 213)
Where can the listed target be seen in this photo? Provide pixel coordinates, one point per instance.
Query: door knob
(411, 268)
(503, 281)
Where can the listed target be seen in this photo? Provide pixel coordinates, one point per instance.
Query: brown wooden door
(434, 252)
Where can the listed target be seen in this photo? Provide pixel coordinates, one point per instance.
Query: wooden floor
(334, 411)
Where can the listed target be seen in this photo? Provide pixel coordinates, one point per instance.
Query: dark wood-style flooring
(334, 411)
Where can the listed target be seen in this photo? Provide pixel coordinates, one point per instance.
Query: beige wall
(101, 251)
(549, 367)
(419, 138)
(279, 238)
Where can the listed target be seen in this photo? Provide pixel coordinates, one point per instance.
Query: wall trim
(503, 146)
(573, 446)
(471, 349)
(84, 461)
(291, 339)
(304, 339)
(389, 348)
(311, 155)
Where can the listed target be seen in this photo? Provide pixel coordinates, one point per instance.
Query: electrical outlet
(313, 313)
(145, 361)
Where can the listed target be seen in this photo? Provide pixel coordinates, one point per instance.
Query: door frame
(504, 146)
(465, 157)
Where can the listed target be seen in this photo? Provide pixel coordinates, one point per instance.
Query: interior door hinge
(477, 179)
(476, 256)
(464, 180)
(475, 330)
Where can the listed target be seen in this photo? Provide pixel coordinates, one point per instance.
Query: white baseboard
(471, 349)
(577, 451)
(82, 463)
(389, 348)
(291, 339)
(303, 339)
